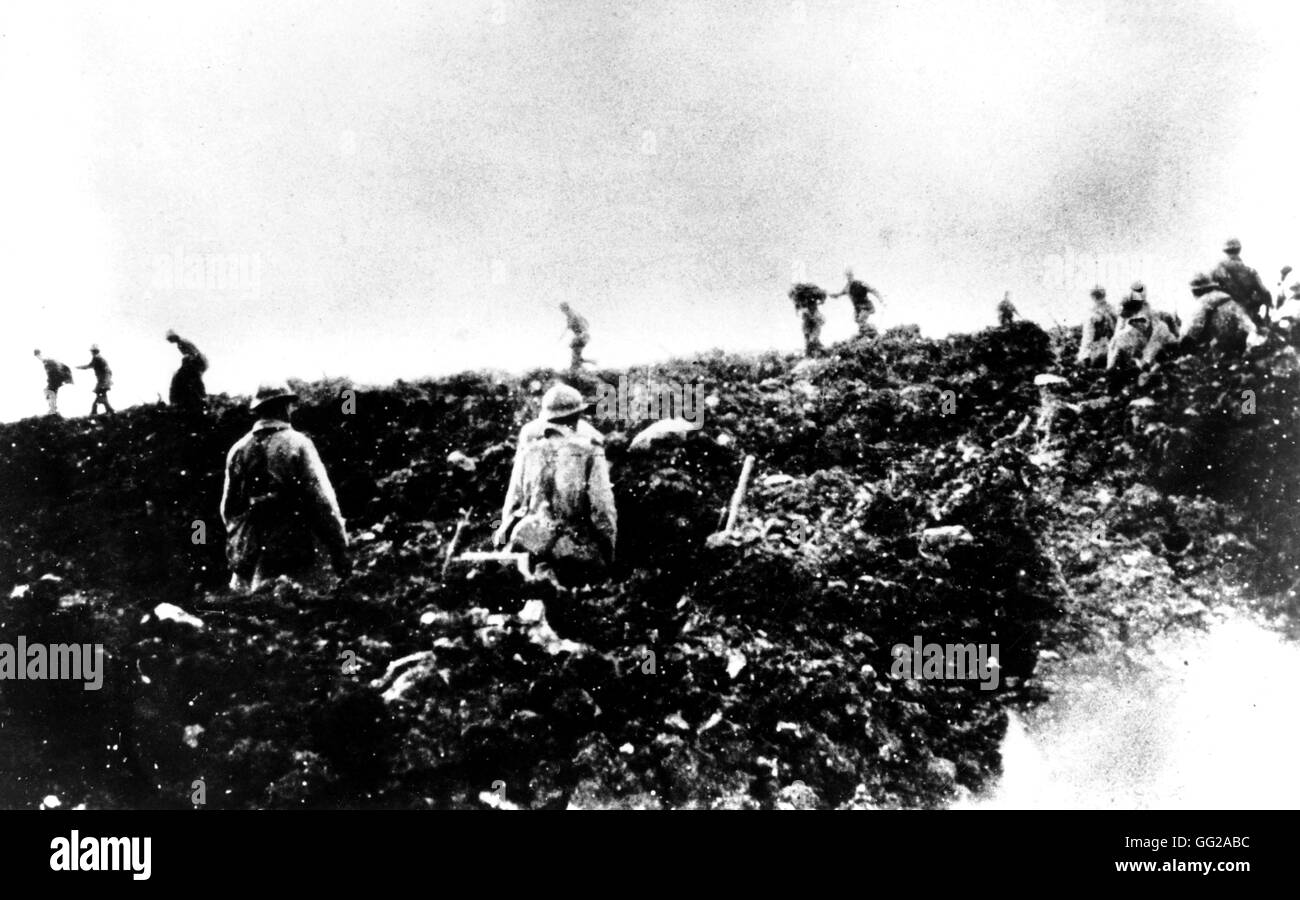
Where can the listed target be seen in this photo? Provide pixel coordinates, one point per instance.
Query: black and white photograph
(521, 405)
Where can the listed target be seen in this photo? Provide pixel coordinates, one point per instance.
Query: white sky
(413, 187)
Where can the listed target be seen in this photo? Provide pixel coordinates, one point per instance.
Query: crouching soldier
(560, 505)
(1098, 329)
(1220, 322)
(277, 499)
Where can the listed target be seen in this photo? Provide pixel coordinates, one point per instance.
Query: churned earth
(1098, 531)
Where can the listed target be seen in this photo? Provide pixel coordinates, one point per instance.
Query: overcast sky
(383, 190)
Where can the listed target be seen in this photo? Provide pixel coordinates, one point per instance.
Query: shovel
(520, 560)
(737, 498)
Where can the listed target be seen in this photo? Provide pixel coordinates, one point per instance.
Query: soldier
(1098, 329)
(1288, 312)
(560, 505)
(276, 497)
(1136, 303)
(1006, 310)
(103, 380)
(808, 299)
(56, 376)
(581, 335)
(1143, 334)
(187, 390)
(1220, 321)
(859, 294)
(1240, 282)
(1139, 341)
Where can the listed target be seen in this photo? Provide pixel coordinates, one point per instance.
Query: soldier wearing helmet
(1098, 329)
(560, 504)
(103, 380)
(278, 500)
(1240, 282)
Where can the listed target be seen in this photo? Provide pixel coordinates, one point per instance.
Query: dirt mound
(750, 670)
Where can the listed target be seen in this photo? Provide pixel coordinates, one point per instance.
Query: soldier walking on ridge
(807, 299)
(859, 293)
(103, 380)
(1006, 310)
(581, 335)
(187, 390)
(57, 375)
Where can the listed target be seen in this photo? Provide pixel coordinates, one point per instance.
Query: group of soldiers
(808, 299)
(187, 389)
(1233, 310)
(278, 503)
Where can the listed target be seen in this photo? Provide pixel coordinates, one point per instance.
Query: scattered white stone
(662, 431)
(170, 612)
(402, 674)
(534, 611)
(191, 736)
(945, 537)
(51, 802)
(20, 590)
(461, 461)
(489, 798)
(676, 721)
(735, 662)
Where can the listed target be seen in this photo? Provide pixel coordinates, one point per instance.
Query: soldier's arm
(514, 492)
(1112, 352)
(604, 514)
(319, 494)
(1263, 297)
(229, 490)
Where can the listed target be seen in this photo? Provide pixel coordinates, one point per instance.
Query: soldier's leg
(811, 334)
(52, 398)
(1195, 332)
(577, 346)
(108, 407)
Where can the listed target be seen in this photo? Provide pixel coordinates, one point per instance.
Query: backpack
(269, 505)
(65, 374)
